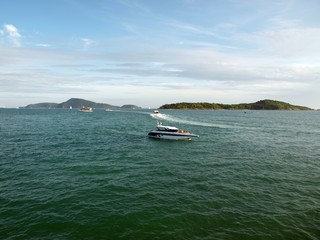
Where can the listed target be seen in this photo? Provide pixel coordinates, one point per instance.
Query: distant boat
(70, 107)
(155, 114)
(86, 109)
(170, 133)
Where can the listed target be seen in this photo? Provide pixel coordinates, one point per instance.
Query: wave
(127, 111)
(167, 117)
(170, 118)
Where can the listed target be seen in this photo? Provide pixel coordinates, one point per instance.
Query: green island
(78, 103)
(260, 105)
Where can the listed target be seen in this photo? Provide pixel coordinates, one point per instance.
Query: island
(79, 103)
(266, 104)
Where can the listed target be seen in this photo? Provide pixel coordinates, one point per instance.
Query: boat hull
(171, 135)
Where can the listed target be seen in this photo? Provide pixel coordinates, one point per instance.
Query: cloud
(12, 33)
(284, 43)
(12, 30)
(203, 73)
(295, 42)
(43, 45)
(192, 29)
(86, 42)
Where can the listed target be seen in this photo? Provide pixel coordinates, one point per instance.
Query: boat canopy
(167, 128)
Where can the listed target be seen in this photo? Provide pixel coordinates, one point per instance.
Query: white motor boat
(171, 133)
(155, 114)
(86, 109)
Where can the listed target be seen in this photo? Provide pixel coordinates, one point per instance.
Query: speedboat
(86, 109)
(171, 133)
(155, 114)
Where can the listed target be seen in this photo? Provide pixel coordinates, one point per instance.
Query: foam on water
(175, 119)
(170, 118)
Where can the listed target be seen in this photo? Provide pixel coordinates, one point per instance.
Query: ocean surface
(65, 174)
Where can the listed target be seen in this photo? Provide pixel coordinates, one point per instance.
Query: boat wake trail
(166, 117)
(128, 111)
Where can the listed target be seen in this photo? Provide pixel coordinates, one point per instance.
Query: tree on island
(260, 105)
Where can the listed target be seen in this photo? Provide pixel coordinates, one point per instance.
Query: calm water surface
(71, 175)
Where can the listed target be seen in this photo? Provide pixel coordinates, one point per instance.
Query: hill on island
(77, 103)
(260, 105)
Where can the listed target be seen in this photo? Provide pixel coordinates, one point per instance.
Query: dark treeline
(260, 105)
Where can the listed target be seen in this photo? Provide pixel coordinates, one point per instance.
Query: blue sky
(149, 52)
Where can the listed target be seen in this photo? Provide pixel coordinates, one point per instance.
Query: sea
(66, 174)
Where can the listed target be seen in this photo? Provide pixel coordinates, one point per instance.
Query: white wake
(167, 117)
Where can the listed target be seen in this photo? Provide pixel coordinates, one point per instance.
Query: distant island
(79, 103)
(260, 105)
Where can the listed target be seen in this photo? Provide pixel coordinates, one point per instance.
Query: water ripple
(67, 175)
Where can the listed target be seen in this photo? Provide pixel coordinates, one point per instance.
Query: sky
(150, 52)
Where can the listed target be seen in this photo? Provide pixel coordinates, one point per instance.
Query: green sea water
(71, 175)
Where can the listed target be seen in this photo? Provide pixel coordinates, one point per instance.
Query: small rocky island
(260, 105)
(79, 103)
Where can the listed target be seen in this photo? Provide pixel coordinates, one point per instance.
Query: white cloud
(181, 75)
(192, 29)
(43, 45)
(12, 30)
(86, 42)
(285, 43)
(294, 42)
(12, 34)
(282, 23)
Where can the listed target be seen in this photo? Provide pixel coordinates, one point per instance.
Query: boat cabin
(167, 128)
